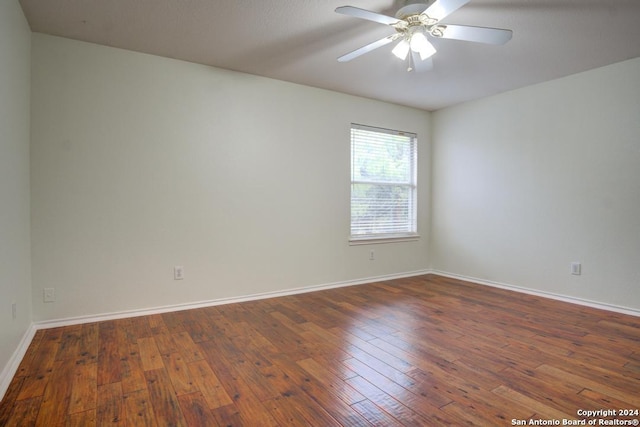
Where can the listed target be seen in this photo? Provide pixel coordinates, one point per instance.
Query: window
(383, 184)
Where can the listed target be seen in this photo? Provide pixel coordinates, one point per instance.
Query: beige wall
(140, 163)
(530, 180)
(15, 265)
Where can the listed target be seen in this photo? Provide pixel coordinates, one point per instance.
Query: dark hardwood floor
(420, 351)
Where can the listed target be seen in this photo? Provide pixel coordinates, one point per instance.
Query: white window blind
(383, 183)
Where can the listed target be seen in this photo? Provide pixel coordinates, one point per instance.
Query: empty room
(319, 213)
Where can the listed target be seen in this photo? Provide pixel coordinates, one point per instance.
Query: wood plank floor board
(386, 402)
(189, 350)
(292, 410)
(179, 374)
(541, 354)
(229, 416)
(438, 381)
(372, 327)
(312, 310)
(139, 327)
(88, 348)
(34, 385)
(328, 344)
(613, 343)
(38, 372)
(587, 382)
(69, 346)
(596, 399)
(260, 384)
(164, 401)
(245, 403)
(9, 399)
(420, 351)
(466, 367)
(149, 354)
(54, 407)
(334, 400)
(619, 378)
(540, 407)
(131, 370)
(252, 336)
(541, 386)
(419, 401)
(196, 411)
(24, 413)
(484, 407)
(164, 339)
(286, 321)
(198, 330)
(82, 419)
(364, 350)
(84, 387)
(209, 384)
(425, 345)
(172, 322)
(138, 409)
(331, 382)
(376, 364)
(109, 353)
(374, 415)
(377, 374)
(289, 312)
(110, 405)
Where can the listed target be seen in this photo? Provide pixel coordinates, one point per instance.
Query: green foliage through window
(383, 182)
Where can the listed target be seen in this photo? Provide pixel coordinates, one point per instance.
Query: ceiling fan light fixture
(421, 45)
(401, 50)
(427, 52)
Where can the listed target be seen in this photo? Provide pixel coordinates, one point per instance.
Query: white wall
(140, 163)
(530, 180)
(15, 268)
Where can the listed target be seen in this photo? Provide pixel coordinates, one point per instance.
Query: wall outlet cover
(49, 295)
(576, 268)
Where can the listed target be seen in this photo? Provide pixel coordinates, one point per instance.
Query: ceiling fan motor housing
(412, 7)
(412, 20)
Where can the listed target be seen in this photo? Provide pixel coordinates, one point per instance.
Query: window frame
(411, 185)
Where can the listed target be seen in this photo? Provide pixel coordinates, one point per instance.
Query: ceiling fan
(415, 23)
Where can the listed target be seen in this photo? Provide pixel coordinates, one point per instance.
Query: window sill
(375, 240)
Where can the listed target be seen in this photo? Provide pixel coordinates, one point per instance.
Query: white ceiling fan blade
(368, 48)
(442, 8)
(356, 12)
(477, 34)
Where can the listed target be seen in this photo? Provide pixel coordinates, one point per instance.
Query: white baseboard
(11, 367)
(230, 300)
(551, 295)
(209, 303)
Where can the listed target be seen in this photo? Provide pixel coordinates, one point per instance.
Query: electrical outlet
(49, 294)
(372, 255)
(178, 272)
(576, 268)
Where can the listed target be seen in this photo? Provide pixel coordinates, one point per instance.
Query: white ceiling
(299, 40)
